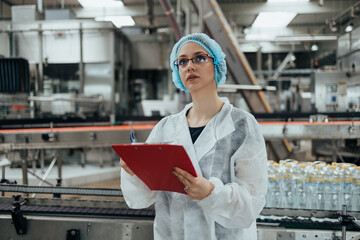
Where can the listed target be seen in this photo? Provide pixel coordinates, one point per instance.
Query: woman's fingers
(184, 173)
(198, 187)
(182, 179)
(126, 167)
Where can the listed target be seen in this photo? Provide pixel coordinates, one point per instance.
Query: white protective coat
(231, 153)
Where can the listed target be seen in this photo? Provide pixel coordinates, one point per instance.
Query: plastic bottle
(308, 185)
(333, 189)
(317, 188)
(347, 187)
(281, 173)
(356, 191)
(287, 186)
(273, 194)
(300, 177)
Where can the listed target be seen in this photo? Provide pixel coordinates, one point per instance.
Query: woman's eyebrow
(196, 53)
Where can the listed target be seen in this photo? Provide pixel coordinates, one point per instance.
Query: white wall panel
(5, 45)
(26, 45)
(61, 46)
(343, 45)
(97, 46)
(355, 39)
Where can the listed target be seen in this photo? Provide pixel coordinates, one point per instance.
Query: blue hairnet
(211, 46)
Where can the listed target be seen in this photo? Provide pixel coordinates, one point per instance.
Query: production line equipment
(23, 217)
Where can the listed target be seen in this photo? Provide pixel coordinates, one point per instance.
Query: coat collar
(218, 127)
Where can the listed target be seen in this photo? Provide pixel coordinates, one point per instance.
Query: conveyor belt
(294, 222)
(80, 129)
(286, 222)
(80, 211)
(151, 126)
(61, 190)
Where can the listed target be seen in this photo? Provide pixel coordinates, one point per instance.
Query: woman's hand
(126, 167)
(197, 188)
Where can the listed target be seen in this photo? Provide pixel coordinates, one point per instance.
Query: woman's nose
(190, 65)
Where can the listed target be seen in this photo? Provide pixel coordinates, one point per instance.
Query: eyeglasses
(198, 59)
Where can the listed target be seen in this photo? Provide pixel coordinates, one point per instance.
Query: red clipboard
(154, 163)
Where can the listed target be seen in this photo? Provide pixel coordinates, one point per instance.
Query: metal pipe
(78, 99)
(24, 171)
(112, 64)
(237, 87)
(201, 15)
(122, 84)
(259, 62)
(42, 164)
(178, 12)
(269, 62)
(33, 165)
(81, 63)
(169, 11)
(83, 160)
(43, 180)
(188, 18)
(40, 6)
(51, 30)
(101, 157)
(11, 43)
(150, 11)
(47, 171)
(343, 228)
(343, 13)
(46, 174)
(59, 164)
(41, 60)
(3, 172)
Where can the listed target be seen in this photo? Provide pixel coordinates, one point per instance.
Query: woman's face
(198, 75)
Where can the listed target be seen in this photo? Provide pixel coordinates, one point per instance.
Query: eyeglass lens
(202, 58)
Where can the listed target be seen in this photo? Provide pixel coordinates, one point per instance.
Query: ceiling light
(118, 21)
(349, 27)
(259, 37)
(314, 48)
(273, 19)
(102, 3)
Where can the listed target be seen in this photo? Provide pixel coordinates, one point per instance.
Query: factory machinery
(23, 215)
(41, 116)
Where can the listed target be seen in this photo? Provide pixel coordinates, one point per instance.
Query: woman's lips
(190, 77)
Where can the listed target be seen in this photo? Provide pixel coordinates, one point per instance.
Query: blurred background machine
(77, 76)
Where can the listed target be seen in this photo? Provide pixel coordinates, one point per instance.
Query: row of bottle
(313, 185)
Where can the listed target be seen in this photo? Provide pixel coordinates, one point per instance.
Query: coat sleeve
(237, 204)
(136, 193)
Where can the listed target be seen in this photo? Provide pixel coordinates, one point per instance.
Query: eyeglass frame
(176, 64)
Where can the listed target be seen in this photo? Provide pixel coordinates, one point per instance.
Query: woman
(225, 146)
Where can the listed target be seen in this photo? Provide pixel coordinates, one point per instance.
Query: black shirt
(195, 131)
